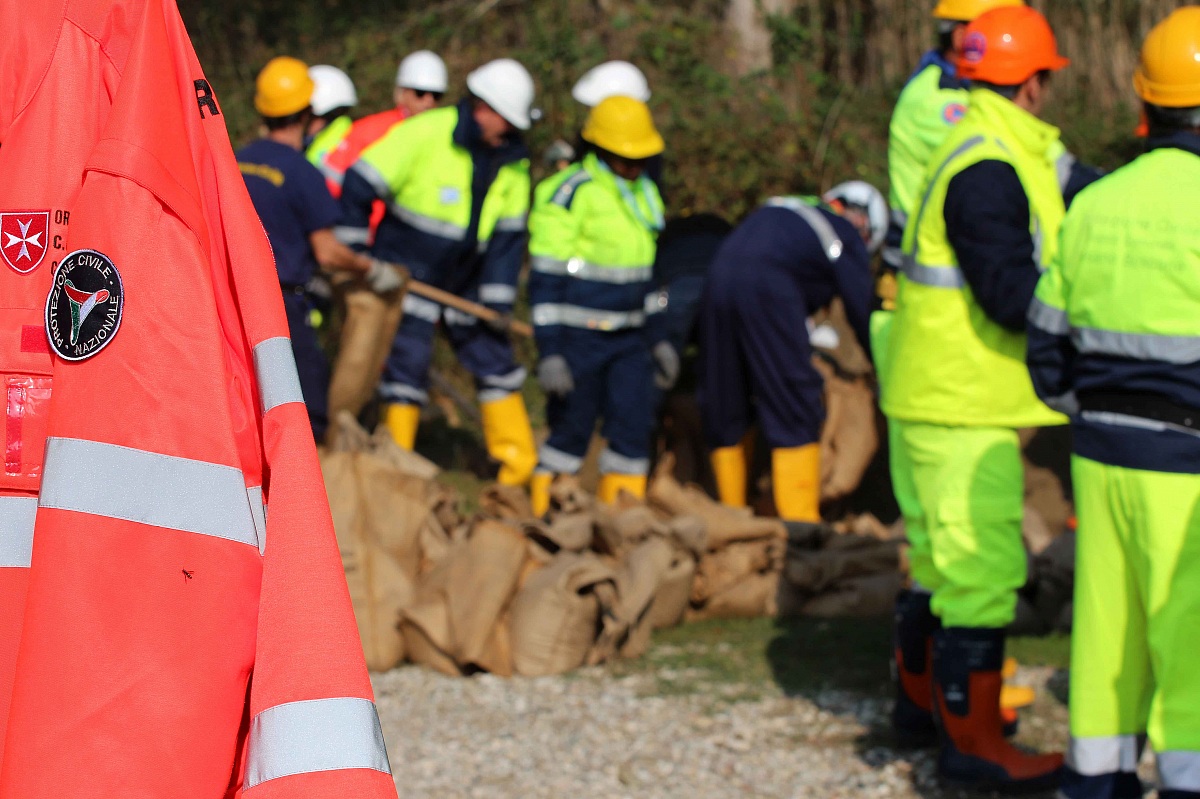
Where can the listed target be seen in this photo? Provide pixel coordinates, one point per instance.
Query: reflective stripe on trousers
(547, 314)
(151, 488)
(315, 735)
(17, 516)
(1105, 754)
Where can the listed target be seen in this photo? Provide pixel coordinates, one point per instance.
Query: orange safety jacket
(188, 631)
(362, 135)
(35, 202)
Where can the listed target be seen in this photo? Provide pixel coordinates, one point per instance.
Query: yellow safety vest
(948, 362)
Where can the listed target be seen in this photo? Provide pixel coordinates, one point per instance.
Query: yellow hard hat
(623, 125)
(283, 87)
(967, 10)
(1169, 72)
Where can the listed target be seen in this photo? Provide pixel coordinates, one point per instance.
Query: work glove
(499, 323)
(384, 278)
(666, 361)
(554, 376)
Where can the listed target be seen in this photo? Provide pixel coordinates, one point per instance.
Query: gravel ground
(593, 734)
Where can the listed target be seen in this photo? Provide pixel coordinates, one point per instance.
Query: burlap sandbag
(719, 570)
(638, 582)
(849, 438)
(750, 597)
(674, 590)
(619, 529)
(396, 507)
(815, 572)
(379, 586)
(368, 328)
(555, 616)
(723, 524)
(507, 503)
(459, 603)
(569, 532)
(869, 595)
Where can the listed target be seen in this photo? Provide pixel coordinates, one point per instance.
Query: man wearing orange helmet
(957, 389)
(1114, 340)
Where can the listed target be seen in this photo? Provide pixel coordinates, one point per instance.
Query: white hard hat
(507, 87)
(423, 70)
(332, 89)
(610, 79)
(863, 195)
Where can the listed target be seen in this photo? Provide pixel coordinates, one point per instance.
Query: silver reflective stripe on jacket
(352, 235)
(830, 241)
(373, 176)
(148, 488)
(313, 736)
(967, 146)
(1048, 318)
(17, 515)
(942, 277)
(1138, 346)
(1179, 770)
(1104, 754)
(1137, 422)
(275, 365)
(546, 314)
(587, 270)
(427, 224)
(511, 224)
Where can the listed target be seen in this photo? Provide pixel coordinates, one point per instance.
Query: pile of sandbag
(507, 593)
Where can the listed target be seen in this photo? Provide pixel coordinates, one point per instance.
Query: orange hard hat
(1007, 46)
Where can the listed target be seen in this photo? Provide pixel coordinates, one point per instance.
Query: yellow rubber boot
(509, 439)
(796, 479)
(729, 468)
(611, 485)
(539, 492)
(402, 420)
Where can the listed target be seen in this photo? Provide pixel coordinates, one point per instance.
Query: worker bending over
(593, 230)
(298, 215)
(456, 185)
(1114, 340)
(785, 262)
(957, 389)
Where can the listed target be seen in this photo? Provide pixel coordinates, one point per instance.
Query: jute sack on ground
(718, 571)
(569, 532)
(639, 580)
(620, 529)
(368, 328)
(462, 601)
(751, 597)
(722, 524)
(815, 572)
(869, 595)
(379, 586)
(556, 614)
(507, 503)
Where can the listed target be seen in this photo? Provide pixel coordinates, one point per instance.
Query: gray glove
(554, 376)
(666, 359)
(383, 278)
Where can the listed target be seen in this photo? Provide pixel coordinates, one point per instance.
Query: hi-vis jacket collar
(468, 136)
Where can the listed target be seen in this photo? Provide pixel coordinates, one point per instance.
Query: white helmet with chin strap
(611, 79)
(507, 87)
(423, 71)
(865, 197)
(332, 89)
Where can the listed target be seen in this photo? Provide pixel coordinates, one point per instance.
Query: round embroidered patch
(83, 311)
(952, 113)
(974, 47)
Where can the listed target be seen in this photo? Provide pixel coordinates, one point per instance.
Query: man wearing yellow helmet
(1114, 341)
(299, 214)
(593, 230)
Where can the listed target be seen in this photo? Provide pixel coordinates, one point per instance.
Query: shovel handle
(466, 306)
